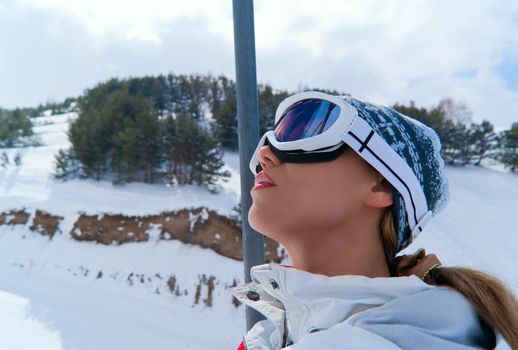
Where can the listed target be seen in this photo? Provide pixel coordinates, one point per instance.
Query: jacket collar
(308, 302)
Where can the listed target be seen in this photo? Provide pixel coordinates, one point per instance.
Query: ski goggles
(313, 126)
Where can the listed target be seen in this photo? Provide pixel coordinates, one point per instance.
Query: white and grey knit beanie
(420, 147)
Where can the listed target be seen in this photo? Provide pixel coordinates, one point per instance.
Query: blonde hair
(492, 300)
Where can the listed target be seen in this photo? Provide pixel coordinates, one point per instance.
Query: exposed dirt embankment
(198, 226)
(45, 223)
(14, 217)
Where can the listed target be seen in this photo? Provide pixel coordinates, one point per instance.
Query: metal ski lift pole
(248, 133)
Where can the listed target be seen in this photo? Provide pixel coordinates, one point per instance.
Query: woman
(344, 186)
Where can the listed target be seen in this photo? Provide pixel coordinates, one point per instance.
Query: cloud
(378, 50)
(52, 57)
(135, 20)
(388, 51)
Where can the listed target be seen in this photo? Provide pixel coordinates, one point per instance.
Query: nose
(266, 157)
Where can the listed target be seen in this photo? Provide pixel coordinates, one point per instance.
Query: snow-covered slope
(30, 185)
(478, 226)
(64, 294)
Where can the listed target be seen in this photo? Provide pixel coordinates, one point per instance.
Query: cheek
(326, 203)
(323, 200)
(329, 202)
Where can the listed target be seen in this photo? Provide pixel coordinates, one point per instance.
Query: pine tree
(149, 143)
(183, 153)
(225, 117)
(126, 157)
(210, 163)
(420, 114)
(91, 142)
(171, 93)
(484, 141)
(4, 160)
(136, 145)
(66, 165)
(509, 148)
(193, 154)
(457, 145)
(167, 139)
(14, 126)
(100, 117)
(18, 159)
(190, 93)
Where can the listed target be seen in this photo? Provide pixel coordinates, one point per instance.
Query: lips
(262, 178)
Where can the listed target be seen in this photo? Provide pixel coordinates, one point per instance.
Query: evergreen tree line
(146, 129)
(173, 128)
(52, 108)
(168, 127)
(464, 141)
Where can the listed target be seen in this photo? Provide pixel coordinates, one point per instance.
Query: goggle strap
(377, 152)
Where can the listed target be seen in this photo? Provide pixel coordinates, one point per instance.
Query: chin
(254, 219)
(260, 222)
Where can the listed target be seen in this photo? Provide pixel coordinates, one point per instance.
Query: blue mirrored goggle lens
(305, 119)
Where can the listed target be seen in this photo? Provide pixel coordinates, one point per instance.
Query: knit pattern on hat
(420, 147)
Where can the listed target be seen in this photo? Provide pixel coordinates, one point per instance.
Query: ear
(380, 194)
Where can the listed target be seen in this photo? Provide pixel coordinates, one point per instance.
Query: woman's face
(310, 197)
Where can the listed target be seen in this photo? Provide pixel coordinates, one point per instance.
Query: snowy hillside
(65, 294)
(83, 295)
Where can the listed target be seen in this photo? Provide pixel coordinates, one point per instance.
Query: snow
(478, 226)
(30, 185)
(54, 284)
(63, 294)
(153, 231)
(51, 311)
(51, 289)
(232, 186)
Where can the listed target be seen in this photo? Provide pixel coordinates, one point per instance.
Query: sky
(382, 51)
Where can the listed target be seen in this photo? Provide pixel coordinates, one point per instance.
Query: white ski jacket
(309, 311)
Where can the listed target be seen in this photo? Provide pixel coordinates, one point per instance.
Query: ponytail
(492, 300)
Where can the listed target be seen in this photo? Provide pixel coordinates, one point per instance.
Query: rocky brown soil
(14, 217)
(197, 226)
(45, 223)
